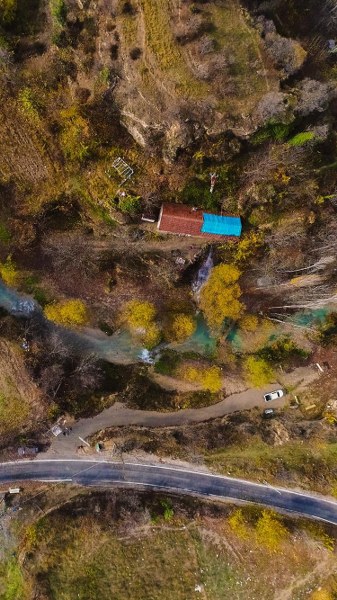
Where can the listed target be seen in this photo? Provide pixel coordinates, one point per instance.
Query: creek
(120, 347)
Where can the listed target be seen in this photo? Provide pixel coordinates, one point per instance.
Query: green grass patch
(12, 583)
(301, 138)
(13, 411)
(79, 558)
(313, 466)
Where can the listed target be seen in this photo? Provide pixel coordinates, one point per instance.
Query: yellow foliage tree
(138, 314)
(248, 245)
(219, 297)
(139, 317)
(270, 531)
(67, 312)
(258, 371)
(238, 524)
(152, 335)
(249, 323)
(9, 272)
(181, 327)
(210, 379)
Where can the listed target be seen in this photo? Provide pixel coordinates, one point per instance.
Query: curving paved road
(102, 473)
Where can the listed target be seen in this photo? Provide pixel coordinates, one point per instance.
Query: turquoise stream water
(120, 347)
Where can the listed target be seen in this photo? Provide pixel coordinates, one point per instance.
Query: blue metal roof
(215, 224)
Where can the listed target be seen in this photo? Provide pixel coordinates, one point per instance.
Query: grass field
(310, 466)
(20, 399)
(173, 68)
(243, 46)
(155, 548)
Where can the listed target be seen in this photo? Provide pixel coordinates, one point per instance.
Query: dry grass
(20, 399)
(162, 554)
(173, 70)
(247, 70)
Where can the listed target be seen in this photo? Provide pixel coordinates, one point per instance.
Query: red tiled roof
(183, 220)
(177, 218)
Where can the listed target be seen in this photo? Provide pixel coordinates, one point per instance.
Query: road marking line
(54, 480)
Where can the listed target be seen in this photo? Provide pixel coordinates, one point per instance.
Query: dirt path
(118, 414)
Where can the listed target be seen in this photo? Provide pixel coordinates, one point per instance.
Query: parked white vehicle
(273, 395)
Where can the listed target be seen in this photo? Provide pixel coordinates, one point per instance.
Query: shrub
(271, 131)
(281, 350)
(168, 362)
(248, 246)
(67, 312)
(181, 327)
(7, 11)
(258, 371)
(135, 53)
(8, 271)
(238, 524)
(59, 11)
(313, 96)
(219, 298)
(210, 379)
(270, 531)
(129, 204)
(27, 104)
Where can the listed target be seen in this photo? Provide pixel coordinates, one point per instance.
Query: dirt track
(118, 414)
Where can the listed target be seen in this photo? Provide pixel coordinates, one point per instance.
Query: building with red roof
(186, 220)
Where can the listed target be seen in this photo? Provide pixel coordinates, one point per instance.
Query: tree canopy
(181, 327)
(67, 312)
(258, 371)
(219, 298)
(139, 317)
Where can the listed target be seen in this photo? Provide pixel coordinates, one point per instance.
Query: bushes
(74, 136)
(129, 204)
(59, 11)
(8, 272)
(248, 246)
(271, 131)
(28, 105)
(219, 298)
(258, 372)
(67, 312)
(284, 349)
(7, 11)
(209, 378)
(270, 531)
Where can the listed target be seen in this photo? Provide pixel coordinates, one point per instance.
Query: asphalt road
(100, 473)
